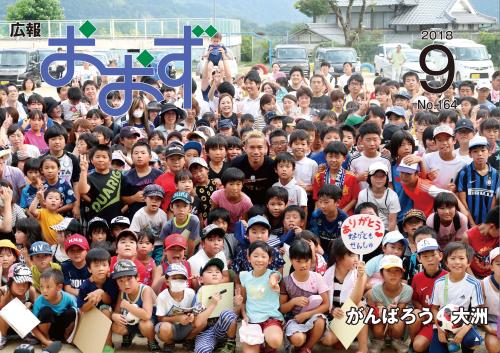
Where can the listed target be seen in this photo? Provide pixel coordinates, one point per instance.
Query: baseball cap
(258, 220)
(124, 268)
(399, 111)
(22, 155)
(6, 243)
(225, 124)
(5, 152)
(198, 161)
(176, 269)
(403, 94)
(20, 273)
(414, 213)
(129, 131)
(408, 168)
(197, 133)
(477, 141)
(174, 149)
(427, 244)
(117, 156)
(494, 253)
(76, 240)
(153, 190)
(373, 168)
(394, 237)
(443, 129)
(181, 196)
(213, 262)
(483, 84)
(212, 229)
(193, 145)
(388, 131)
(40, 247)
(97, 221)
(175, 240)
(68, 224)
(126, 232)
(120, 220)
(354, 120)
(390, 261)
(464, 124)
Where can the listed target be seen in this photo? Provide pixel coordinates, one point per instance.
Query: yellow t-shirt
(47, 219)
(36, 274)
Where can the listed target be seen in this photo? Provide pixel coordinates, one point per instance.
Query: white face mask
(138, 113)
(178, 285)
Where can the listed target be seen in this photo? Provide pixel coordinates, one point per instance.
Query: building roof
(329, 31)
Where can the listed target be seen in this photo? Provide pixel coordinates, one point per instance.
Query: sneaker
(3, 342)
(127, 341)
(399, 346)
(168, 348)
(30, 339)
(189, 345)
(229, 347)
(154, 347)
(376, 345)
(108, 349)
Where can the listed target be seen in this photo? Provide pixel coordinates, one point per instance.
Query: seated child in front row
(75, 270)
(41, 258)
(492, 300)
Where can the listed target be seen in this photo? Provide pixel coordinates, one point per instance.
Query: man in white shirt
(251, 104)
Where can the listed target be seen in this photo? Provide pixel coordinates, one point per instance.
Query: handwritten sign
(362, 233)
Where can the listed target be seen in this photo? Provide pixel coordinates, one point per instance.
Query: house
(398, 20)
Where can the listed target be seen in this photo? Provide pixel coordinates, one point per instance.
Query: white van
(472, 61)
(384, 52)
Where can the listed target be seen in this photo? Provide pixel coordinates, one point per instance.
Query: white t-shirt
(360, 164)
(200, 259)
(85, 75)
(251, 106)
(463, 293)
(448, 170)
(342, 81)
(305, 169)
(389, 203)
(165, 302)
(296, 194)
(467, 159)
(151, 224)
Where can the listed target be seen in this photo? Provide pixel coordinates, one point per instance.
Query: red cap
(77, 240)
(175, 240)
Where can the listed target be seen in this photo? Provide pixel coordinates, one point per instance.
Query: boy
(174, 155)
(175, 326)
(278, 141)
(52, 200)
(338, 100)
(183, 222)
(136, 179)
(126, 249)
(219, 330)
(443, 165)
(192, 149)
(336, 153)
(459, 288)
(483, 238)
(31, 170)
(216, 150)
(489, 129)
(305, 168)
(212, 246)
(284, 165)
(327, 219)
(174, 251)
(135, 301)
(204, 186)
(369, 134)
(99, 290)
(477, 182)
(102, 187)
(430, 256)
(413, 220)
(327, 135)
(151, 218)
(492, 302)
(215, 50)
(56, 311)
(118, 224)
(75, 270)
(464, 130)
(221, 218)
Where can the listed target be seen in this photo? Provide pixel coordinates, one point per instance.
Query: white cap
(117, 156)
(408, 168)
(427, 244)
(390, 261)
(394, 237)
(494, 253)
(478, 141)
(483, 84)
(373, 168)
(443, 129)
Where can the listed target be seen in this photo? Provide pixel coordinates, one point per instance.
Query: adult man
(257, 166)
(250, 105)
(397, 60)
(355, 86)
(319, 100)
(412, 84)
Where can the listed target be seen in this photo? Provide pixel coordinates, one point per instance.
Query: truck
(290, 55)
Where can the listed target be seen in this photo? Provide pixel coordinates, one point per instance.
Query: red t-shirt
(482, 245)
(350, 190)
(422, 287)
(167, 182)
(141, 269)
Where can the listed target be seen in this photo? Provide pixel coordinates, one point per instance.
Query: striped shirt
(479, 190)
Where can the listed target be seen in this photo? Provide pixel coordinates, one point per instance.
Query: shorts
(58, 323)
(471, 340)
(270, 322)
(426, 331)
(180, 331)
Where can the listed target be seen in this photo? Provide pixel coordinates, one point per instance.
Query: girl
(267, 104)
(138, 117)
(50, 168)
(144, 248)
(28, 231)
(318, 263)
(95, 117)
(392, 293)
(58, 252)
(34, 135)
(303, 300)
(156, 139)
(276, 201)
(269, 88)
(380, 194)
(9, 254)
(98, 231)
(345, 278)
(261, 302)
(27, 88)
(449, 224)
(290, 105)
(80, 126)
(191, 116)
(16, 138)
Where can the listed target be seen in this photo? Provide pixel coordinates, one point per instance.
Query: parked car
(336, 57)
(412, 63)
(384, 52)
(17, 64)
(290, 55)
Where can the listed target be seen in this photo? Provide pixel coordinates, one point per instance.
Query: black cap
(464, 124)
(213, 262)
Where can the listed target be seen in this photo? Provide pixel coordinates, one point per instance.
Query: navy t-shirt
(74, 276)
(132, 183)
(88, 287)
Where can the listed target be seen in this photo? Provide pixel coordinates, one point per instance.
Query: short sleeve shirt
(88, 287)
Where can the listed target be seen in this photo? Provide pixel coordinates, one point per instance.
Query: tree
(33, 10)
(313, 8)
